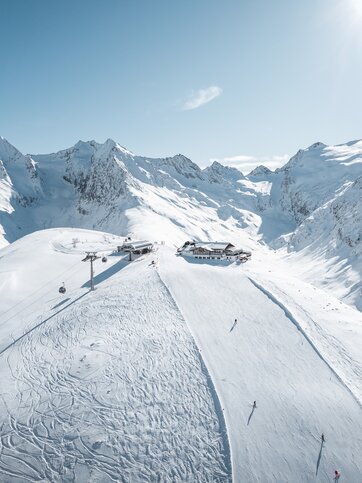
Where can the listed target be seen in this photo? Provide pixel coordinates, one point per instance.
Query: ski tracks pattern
(111, 390)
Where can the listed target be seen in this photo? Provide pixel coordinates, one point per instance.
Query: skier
(337, 474)
(323, 438)
(234, 324)
(254, 404)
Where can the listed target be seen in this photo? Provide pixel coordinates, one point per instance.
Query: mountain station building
(136, 247)
(213, 251)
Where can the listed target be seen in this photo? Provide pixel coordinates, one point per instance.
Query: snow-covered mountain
(150, 378)
(176, 369)
(312, 204)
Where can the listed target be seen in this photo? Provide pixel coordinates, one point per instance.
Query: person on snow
(234, 324)
(254, 404)
(337, 475)
(323, 438)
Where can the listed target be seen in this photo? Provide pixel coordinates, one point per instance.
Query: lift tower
(90, 257)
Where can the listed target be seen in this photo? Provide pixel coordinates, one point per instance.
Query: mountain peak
(216, 164)
(7, 150)
(180, 160)
(180, 157)
(110, 143)
(260, 170)
(81, 144)
(317, 145)
(218, 172)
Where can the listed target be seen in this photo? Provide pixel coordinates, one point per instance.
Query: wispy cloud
(247, 163)
(201, 97)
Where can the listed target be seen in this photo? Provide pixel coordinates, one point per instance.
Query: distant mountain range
(311, 207)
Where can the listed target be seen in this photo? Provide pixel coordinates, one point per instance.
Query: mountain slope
(268, 357)
(146, 379)
(311, 206)
(96, 388)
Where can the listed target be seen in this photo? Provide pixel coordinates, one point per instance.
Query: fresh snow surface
(148, 378)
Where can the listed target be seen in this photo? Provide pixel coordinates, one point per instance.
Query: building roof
(210, 246)
(137, 245)
(214, 245)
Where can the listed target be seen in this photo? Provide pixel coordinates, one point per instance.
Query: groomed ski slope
(266, 358)
(144, 380)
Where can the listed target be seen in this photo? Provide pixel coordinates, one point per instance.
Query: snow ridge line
(15, 341)
(211, 385)
(295, 322)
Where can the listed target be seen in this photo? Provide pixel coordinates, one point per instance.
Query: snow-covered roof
(137, 245)
(208, 246)
(214, 245)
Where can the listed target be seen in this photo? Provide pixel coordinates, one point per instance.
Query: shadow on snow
(319, 458)
(250, 416)
(15, 341)
(205, 261)
(109, 272)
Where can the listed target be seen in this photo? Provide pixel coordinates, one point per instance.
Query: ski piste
(143, 378)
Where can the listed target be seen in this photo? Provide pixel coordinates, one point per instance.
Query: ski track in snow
(112, 389)
(217, 403)
(42, 322)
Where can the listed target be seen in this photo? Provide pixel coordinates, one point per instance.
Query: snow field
(334, 328)
(109, 389)
(33, 268)
(111, 386)
(266, 358)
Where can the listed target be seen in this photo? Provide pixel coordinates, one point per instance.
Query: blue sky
(236, 80)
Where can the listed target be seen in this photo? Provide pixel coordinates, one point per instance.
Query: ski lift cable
(71, 269)
(31, 329)
(42, 295)
(35, 291)
(29, 305)
(40, 288)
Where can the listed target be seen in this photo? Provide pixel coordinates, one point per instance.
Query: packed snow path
(264, 357)
(111, 389)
